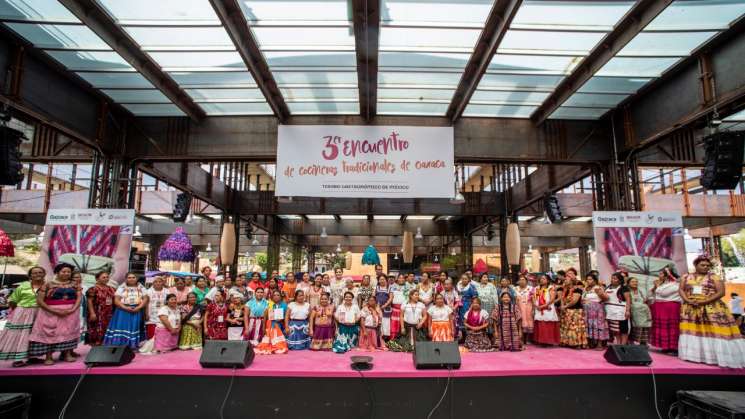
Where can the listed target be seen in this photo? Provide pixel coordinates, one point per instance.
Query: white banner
(91, 216)
(656, 219)
(365, 161)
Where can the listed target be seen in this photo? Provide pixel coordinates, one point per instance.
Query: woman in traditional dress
(236, 318)
(180, 290)
(592, 303)
(467, 292)
(414, 320)
(398, 291)
(254, 315)
(440, 282)
(201, 290)
(452, 300)
(304, 285)
(364, 291)
(525, 297)
(440, 320)
(384, 299)
(618, 308)
(14, 337)
(487, 293)
(169, 325)
(57, 324)
(348, 330)
(296, 323)
(156, 298)
(191, 323)
(475, 322)
(573, 328)
(289, 287)
(506, 317)
(315, 291)
(370, 319)
(708, 333)
(665, 308)
(546, 320)
(100, 299)
(215, 318)
(426, 289)
(127, 325)
(322, 325)
(274, 341)
(641, 316)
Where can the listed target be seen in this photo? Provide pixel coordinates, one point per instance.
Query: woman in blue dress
(127, 324)
(467, 292)
(384, 299)
(254, 315)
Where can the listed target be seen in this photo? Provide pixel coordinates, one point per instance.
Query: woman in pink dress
(525, 295)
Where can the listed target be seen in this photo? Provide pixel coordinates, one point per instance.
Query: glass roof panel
(578, 113)
(434, 12)
(573, 14)
(598, 84)
(415, 93)
(285, 78)
(154, 109)
(545, 42)
(137, 96)
(396, 78)
(533, 98)
(226, 95)
(91, 60)
(665, 44)
(216, 79)
(412, 108)
(37, 10)
(422, 60)
(698, 15)
(636, 67)
(291, 94)
(591, 100)
(59, 36)
(300, 38)
(151, 37)
(532, 64)
(176, 61)
(519, 81)
(326, 59)
(116, 80)
(324, 107)
(499, 111)
(428, 39)
(239, 108)
(296, 12)
(161, 12)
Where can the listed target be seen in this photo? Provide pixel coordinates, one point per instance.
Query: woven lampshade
(227, 244)
(348, 260)
(513, 244)
(408, 247)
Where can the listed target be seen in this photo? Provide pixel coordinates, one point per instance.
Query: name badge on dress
(108, 301)
(349, 317)
(697, 289)
(220, 319)
(277, 314)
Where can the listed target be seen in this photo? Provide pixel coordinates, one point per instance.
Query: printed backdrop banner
(92, 240)
(365, 161)
(642, 243)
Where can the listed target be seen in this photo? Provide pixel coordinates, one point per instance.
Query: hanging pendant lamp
(513, 244)
(408, 247)
(227, 244)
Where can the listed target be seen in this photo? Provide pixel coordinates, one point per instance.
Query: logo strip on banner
(657, 219)
(364, 161)
(91, 216)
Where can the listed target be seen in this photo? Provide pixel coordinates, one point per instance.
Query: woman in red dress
(100, 309)
(215, 319)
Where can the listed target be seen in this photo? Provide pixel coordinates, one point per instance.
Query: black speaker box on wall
(723, 160)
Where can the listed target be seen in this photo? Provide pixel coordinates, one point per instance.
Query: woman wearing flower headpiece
(708, 333)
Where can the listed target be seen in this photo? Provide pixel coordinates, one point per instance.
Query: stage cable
(370, 393)
(74, 390)
(227, 394)
(654, 393)
(445, 392)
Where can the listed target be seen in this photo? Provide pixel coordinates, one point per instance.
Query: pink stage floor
(531, 362)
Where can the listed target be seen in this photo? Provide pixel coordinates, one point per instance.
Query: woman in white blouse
(296, 323)
(665, 301)
(440, 320)
(347, 324)
(413, 319)
(169, 325)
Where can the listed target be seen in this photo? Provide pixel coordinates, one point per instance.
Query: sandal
(70, 359)
(48, 362)
(18, 364)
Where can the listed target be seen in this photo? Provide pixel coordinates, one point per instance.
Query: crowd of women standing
(330, 313)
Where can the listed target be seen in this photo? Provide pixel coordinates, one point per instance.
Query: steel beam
(92, 14)
(366, 20)
(640, 15)
(190, 177)
(547, 179)
(496, 26)
(234, 21)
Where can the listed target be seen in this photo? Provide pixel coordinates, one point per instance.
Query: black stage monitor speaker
(711, 404)
(436, 355)
(723, 160)
(226, 354)
(108, 356)
(627, 355)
